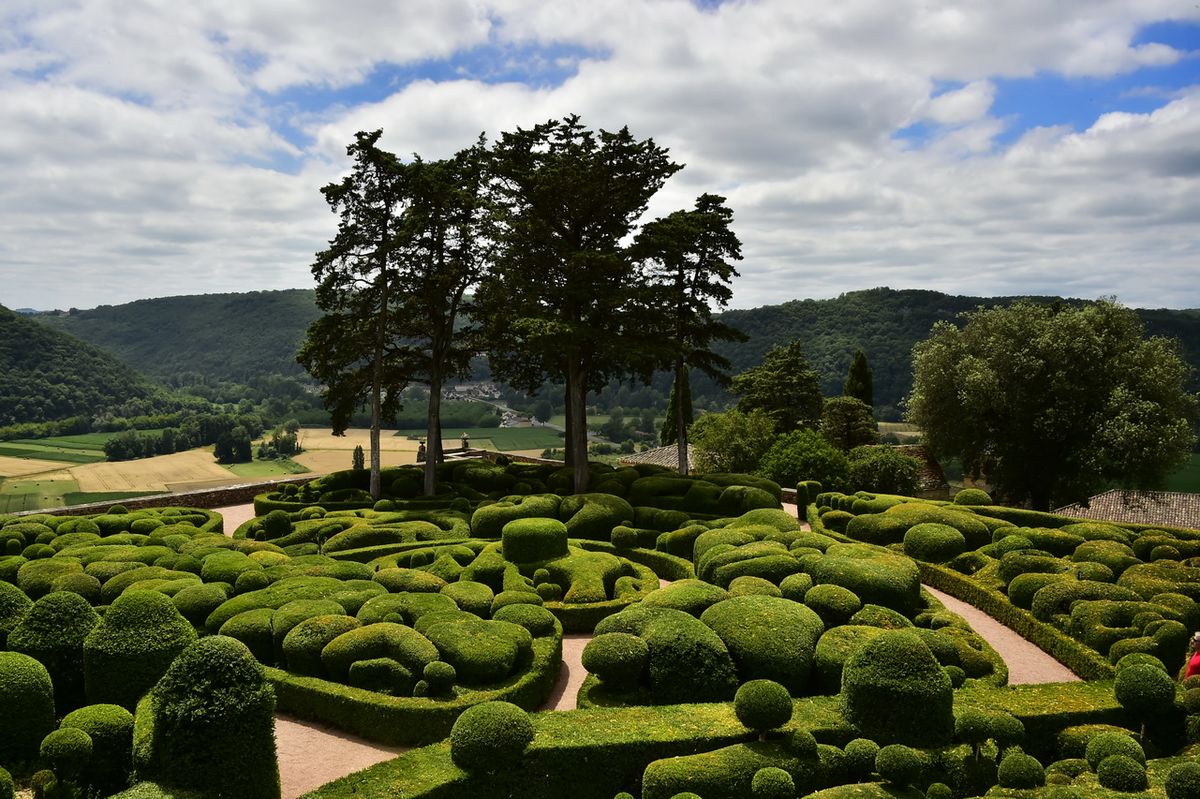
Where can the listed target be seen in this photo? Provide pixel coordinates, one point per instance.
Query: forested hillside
(48, 375)
(224, 337)
(248, 338)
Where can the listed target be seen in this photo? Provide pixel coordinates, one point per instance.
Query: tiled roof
(1166, 508)
(667, 456)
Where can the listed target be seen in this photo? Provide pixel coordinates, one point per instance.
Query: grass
(505, 439)
(268, 468)
(19, 495)
(44, 453)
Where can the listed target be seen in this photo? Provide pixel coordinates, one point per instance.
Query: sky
(155, 148)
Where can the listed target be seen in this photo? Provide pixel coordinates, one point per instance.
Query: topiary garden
(142, 649)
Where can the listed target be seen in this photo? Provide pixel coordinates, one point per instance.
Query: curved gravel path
(312, 754)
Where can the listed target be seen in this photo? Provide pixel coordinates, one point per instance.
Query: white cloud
(140, 141)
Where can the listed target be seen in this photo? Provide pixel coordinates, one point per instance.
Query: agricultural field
(902, 430)
(266, 470)
(501, 439)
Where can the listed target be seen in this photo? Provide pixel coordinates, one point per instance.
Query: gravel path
(312, 754)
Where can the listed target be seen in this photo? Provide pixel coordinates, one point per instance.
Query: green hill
(226, 337)
(47, 375)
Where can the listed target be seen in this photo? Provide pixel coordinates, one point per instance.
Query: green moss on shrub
(27, 697)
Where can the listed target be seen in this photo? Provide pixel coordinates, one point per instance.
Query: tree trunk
(433, 430)
(376, 412)
(681, 440)
(568, 458)
(577, 424)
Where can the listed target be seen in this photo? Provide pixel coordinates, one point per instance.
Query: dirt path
(1027, 664)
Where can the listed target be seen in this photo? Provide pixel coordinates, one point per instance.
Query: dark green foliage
(538, 620)
(728, 772)
(1144, 690)
(762, 705)
(6, 785)
(27, 696)
(688, 661)
(848, 423)
(898, 764)
(972, 496)
(14, 604)
(68, 751)
(1121, 773)
(833, 603)
(768, 638)
(196, 602)
(253, 628)
(1108, 744)
(833, 650)
(111, 730)
(303, 644)
(860, 382)
(210, 724)
(490, 737)
(1057, 598)
(36, 578)
(772, 783)
(532, 540)
(690, 596)
(85, 585)
(132, 646)
(53, 632)
(383, 639)
(933, 542)
(875, 576)
(470, 596)
(488, 520)
(939, 790)
(804, 455)
(482, 652)
(594, 515)
(1183, 781)
(883, 469)
(618, 659)
(860, 758)
(895, 692)
(877, 616)
(730, 441)
(784, 386)
(836, 520)
(1018, 770)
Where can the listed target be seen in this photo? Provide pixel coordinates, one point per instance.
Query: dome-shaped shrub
(1144, 690)
(1183, 781)
(53, 632)
(833, 603)
(13, 605)
(936, 543)
(762, 705)
(1121, 773)
(860, 758)
(132, 646)
(27, 699)
(111, 730)
(1018, 770)
(490, 736)
(618, 659)
(213, 724)
(786, 655)
(1107, 744)
(772, 783)
(532, 540)
(304, 643)
(439, 676)
(894, 690)
(538, 620)
(196, 602)
(898, 764)
(84, 584)
(68, 751)
(7, 789)
(972, 496)
(939, 790)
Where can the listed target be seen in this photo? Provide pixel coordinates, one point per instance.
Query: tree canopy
(1052, 402)
(860, 383)
(846, 422)
(784, 386)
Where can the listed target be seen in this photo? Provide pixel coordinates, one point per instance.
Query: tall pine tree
(859, 383)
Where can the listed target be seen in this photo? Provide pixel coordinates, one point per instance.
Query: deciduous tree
(1052, 402)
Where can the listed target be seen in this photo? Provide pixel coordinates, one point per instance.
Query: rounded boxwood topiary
(303, 644)
(833, 603)
(535, 618)
(898, 764)
(27, 696)
(762, 705)
(482, 652)
(1019, 770)
(212, 724)
(894, 690)
(68, 751)
(196, 602)
(618, 659)
(936, 543)
(383, 639)
(7, 789)
(1183, 781)
(533, 540)
(860, 758)
(1144, 690)
(490, 736)
(939, 790)
(1121, 773)
(439, 676)
(111, 730)
(132, 646)
(786, 655)
(85, 585)
(53, 632)
(1107, 744)
(772, 783)
(972, 496)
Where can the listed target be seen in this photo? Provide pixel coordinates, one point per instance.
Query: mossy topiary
(533, 540)
(53, 632)
(27, 696)
(536, 619)
(762, 705)
(303, 644)
(1183, 781)
(898, 764)
(1019, 770)
(833, 603)
(617, 659)
(132, 646)
(111, 730)
(7, 789)
(1144, 690)
(894, 690)
(490, 736)
(768, 638)
(383, 639)
(211, 724)
(1108, 744)
(972, 496)
(68, 751)
(860, 758)
(936, 543)
(772, 783)
(482, 652)
(1121, 773)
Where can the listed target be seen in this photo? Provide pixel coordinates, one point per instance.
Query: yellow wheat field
(19, 467)
(183, 470)
(323, 439)
(324, 461)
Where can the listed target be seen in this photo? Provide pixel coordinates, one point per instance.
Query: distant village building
(1157, 508)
